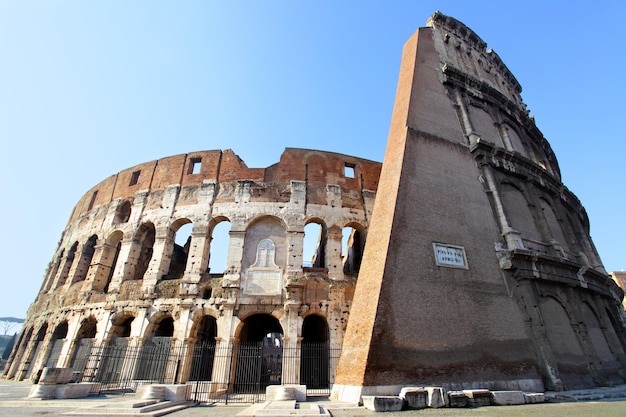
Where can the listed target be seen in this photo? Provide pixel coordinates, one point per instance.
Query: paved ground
(608, 402)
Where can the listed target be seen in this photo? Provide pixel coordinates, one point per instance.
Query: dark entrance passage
(204, 350)
(314, 355)
(259, 355)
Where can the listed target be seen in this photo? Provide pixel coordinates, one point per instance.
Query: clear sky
(88, 88)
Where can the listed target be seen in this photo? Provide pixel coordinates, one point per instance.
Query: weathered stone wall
(117, 265)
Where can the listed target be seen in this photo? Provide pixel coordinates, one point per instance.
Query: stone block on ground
(285, 392)
(478, 397)
(382, 402)
(414, 397)
(78, 390)
(151, 392)
(437, 397)
(534, 397)
(457, 399)
(507, 397)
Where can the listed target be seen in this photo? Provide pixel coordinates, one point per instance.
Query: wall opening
(220, 239)
(352, 244)
(180, 252)
(134, 178)
(195, 166)
(314, 245)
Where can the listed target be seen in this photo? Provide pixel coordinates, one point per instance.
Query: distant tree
(8, 323)
(9, 347)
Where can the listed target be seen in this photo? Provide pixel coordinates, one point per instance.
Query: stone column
(333, 246)
(103, 257)
(161, 257)
(126, 264)
(197, 260)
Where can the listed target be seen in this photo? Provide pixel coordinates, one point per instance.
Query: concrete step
(144, 408)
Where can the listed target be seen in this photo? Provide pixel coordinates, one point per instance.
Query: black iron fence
(213, 372)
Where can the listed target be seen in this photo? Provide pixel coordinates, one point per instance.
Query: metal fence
(224, 373)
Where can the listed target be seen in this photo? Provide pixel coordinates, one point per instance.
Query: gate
(223, 373)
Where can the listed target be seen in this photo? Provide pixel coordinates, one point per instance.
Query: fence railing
(213, 372)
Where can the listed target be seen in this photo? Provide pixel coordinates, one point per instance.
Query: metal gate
(223, 373)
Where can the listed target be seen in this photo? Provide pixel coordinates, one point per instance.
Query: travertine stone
(382, 403)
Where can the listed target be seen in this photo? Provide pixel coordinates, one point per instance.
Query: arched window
(218, 252)
(145, 239)
(122, 214)
(180, 251)
(314, 245)
(352, 245)
(84, 262)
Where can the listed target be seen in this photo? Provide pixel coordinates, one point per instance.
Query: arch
(85, 336)
(571, 361)
(518, 213)
(352, 245)
(69, 260)
(205, 332)
(84, 262)
(314, 353)
(165, 328)
(39, 344)
(155, 350)
(596, 335)
(121, 326)
(110, 254)
(57, 341)
(145, 237)
(259, 354)
(554, 225)
(483, 125)
(515, 139)
(180, 250)
(315, 243)
(122, 213)
(218, 247)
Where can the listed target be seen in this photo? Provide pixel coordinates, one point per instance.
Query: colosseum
(478, 271)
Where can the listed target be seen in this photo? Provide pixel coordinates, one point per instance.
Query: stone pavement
(14, 401)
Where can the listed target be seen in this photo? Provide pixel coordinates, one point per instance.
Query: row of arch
(545, 226)
(102, 260)
(260, 332)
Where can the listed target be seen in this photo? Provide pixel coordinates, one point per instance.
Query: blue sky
(88, 88)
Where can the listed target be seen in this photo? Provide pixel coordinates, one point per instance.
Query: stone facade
(479, 270)
(118, 272)
(478, 273)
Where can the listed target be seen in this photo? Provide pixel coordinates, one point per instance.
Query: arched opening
(145, 239)
(82, 348)
(259, 355)
(180, 251)
(220, 239)
(122, 214)
(84, 262)
(204, 350)
(18, 351)
(314, 353)
(155, 351)
(314, 245)
(570, 359)
(41, 334)
(67, 266)
(113, 357)
(58, 338)
(111, 254)
(352, 245)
